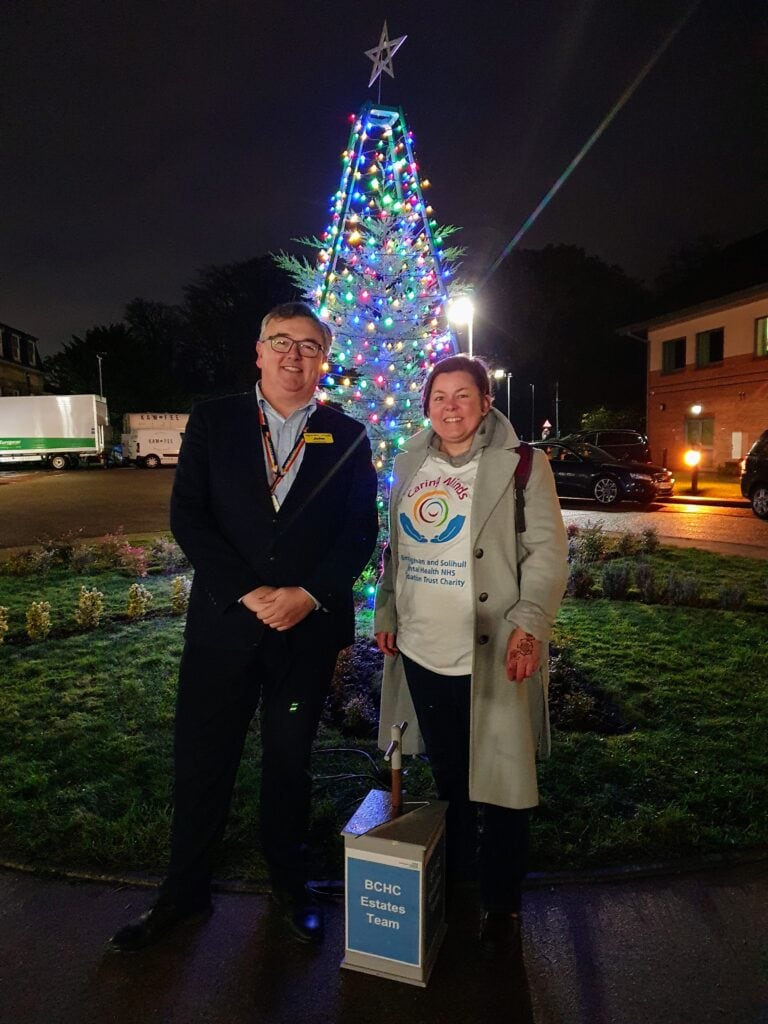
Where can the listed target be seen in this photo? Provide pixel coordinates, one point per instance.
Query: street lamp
(692, 458)
(533, 412)
(500, 375)
(100, 356)
(462, 313)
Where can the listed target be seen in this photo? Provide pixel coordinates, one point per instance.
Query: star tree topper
(382, 55)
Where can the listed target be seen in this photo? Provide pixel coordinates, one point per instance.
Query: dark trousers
(442, 706)
(219, 692)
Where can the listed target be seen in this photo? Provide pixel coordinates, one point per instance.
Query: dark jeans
(442, 706)
(219, 692)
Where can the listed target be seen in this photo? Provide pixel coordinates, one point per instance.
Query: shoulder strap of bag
(522, 476)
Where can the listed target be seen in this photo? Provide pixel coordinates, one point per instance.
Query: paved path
(668, 950)
(727, 530)
(96, 501)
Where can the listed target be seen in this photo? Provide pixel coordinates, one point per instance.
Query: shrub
(589, 544)
(615, 581)
(627, 545)
(109, 548)
(134, 561)
(3, 622)
(90, 607)
(38, 620)
(139, 600)
(167, 555)
(731, 598)
(19, 563)
(359, 716)
(645, 581)
(683, 590)
(28, 562)
(649, 542)
(115, 552)
(84, 558)
(579, 580)
(180, 588)
(59, 550)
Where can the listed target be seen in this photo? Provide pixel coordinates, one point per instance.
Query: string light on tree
(382, 279)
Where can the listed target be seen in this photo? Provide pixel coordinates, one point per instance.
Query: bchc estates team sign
(395, 889)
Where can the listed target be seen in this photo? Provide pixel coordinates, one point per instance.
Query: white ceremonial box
(394, 870)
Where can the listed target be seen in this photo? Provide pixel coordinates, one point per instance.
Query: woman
(464, 609)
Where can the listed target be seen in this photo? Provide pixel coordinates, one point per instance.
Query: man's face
(290, 376)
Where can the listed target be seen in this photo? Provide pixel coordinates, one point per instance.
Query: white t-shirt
(433, 591)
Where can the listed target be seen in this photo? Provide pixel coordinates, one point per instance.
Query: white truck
(57, 430)
(153, 439)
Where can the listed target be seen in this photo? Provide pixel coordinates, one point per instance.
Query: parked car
(622, 444)
(584, 471)
(754, 476)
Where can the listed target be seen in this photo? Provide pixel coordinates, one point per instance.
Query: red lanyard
(277, 471)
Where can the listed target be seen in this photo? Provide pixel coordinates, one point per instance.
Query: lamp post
(533, 412)
(692, 458)
(99, 357)
(500, 375)
(462, 313)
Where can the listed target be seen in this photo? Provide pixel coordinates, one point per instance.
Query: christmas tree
(382, 279)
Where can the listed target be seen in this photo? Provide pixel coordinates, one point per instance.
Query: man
(274, 504)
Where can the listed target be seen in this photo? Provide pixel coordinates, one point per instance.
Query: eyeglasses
(282, 343)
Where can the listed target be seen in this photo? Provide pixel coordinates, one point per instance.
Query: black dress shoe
(159, 919)
(499, 934)
(302, 914)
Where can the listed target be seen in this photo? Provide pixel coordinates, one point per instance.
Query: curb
(695, 499)
(652, 869)
(535, 880)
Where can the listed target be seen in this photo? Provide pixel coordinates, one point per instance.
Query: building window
(15, 348)
(700, 432)
(709, 347)
(29, 347)
(673, 355)
(761, 336)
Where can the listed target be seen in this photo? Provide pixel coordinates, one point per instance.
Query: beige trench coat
(510, 721)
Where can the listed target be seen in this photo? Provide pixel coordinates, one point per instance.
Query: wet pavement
(727, 528)
(93, 502)
(669, 949)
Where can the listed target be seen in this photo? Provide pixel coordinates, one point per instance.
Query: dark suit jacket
(223, 519)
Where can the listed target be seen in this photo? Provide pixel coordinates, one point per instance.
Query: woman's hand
(523, 655)
(387, 643)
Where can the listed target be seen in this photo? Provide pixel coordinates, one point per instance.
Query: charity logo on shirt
(431, 511)
(434, 547)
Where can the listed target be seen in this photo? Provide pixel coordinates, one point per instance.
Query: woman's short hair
(476, 368)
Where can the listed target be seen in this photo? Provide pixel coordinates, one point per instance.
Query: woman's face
(456, 409)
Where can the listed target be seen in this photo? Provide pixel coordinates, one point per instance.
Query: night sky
(142, 141)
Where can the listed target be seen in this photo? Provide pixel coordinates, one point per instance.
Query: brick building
(21, 371)
(708, 378)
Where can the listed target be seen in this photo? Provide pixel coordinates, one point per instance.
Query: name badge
(311, 438)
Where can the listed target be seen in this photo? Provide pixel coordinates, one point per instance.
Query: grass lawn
(86, 725)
